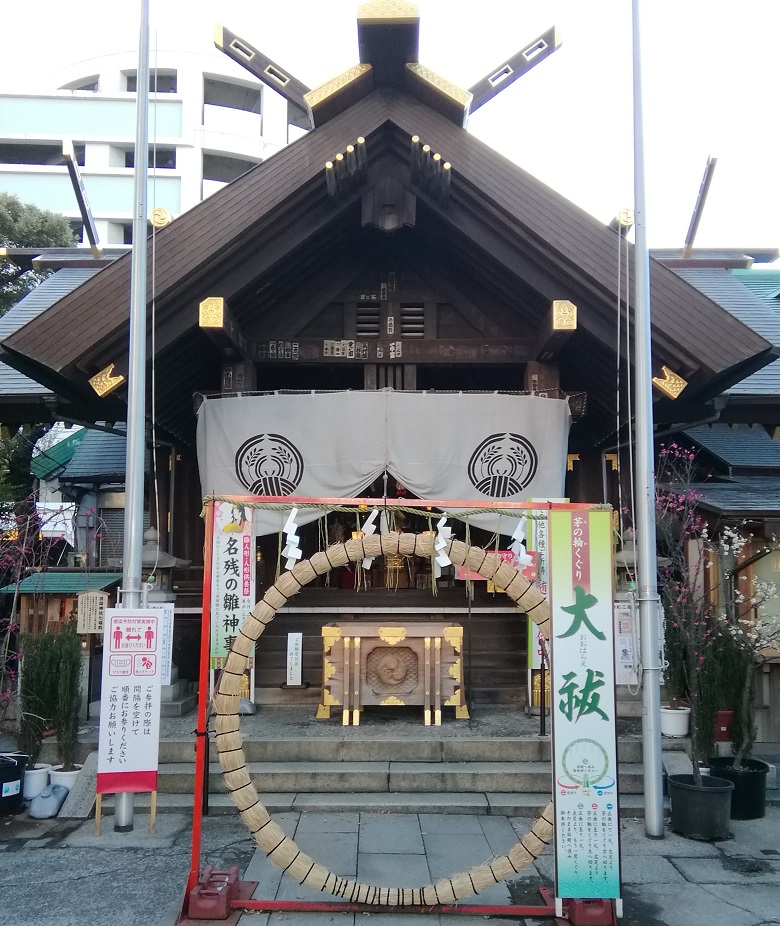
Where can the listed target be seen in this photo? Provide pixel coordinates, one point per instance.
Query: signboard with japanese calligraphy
(165, 609)
(294, 658)
(625, 663)
(537, 543)
(587, 849)
(130, 701)
(232, 576)
(91, 610)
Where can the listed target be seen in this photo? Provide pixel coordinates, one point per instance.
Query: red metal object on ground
(579, 912)
(335, 906)
(213, 896)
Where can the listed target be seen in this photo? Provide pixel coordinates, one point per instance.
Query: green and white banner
(587, 844)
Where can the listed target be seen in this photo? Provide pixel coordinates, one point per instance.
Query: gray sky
(710, 80)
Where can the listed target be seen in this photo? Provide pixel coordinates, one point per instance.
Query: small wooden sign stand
(152, 811)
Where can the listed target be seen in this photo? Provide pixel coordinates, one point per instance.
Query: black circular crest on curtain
(503, 465)
(269, 464)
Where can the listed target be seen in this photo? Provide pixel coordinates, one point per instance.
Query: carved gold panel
(104, 382)
(564, 315)
(392, 635)
(671, 384)
(211, 312)
(330, 635)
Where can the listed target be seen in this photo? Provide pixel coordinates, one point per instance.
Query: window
(233, 96)
(13, 153)
(164, 158)
(159, 81)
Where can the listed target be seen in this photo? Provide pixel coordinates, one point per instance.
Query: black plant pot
(700, 812)
(748, 802)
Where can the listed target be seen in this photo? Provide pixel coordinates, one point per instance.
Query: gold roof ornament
(389, 11)
(671, 383)
(339, 93)
(211, 312)
(564, 315)
(105, 382)
(160, 217)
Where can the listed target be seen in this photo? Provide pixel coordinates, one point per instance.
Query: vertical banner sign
(129, 702)
(294, 654)
(165, 609)
(232, 577)
(587, 848)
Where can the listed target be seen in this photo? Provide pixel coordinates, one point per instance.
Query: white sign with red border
(128, 748)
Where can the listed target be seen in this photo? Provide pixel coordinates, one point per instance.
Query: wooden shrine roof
(502, 233)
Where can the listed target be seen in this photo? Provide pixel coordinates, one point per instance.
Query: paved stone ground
(59, 874)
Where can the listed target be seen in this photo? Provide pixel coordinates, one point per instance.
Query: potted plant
(701, 804)
(675, 716)
(66, 709)
(37, 696)
(753, 632)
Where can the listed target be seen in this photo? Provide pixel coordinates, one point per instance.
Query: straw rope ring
(268, 835)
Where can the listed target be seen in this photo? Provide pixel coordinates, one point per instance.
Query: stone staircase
(494, 763)
(509, 776)
(178, 698)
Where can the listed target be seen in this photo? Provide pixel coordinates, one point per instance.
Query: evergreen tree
(23, 225)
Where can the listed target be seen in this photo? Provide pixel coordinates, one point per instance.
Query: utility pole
(136, 377)
(645, 480)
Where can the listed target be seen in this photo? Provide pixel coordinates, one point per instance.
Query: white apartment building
(209, 122)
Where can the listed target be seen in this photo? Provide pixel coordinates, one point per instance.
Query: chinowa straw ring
(269, 836)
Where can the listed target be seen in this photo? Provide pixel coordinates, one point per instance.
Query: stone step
(483, 803)
(179, 707)
(345, 746)
(176, 690)
(346, 749)
(379, 777)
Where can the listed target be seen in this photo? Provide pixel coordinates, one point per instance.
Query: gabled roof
(744, 497)
(14, 384)
(99, 457)
(63, 583)
(765, 285)
(739, 446)
(502, 234)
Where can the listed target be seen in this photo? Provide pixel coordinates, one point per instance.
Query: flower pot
(675, 721)
(58, 777)
(35, 780)
(748, 802)
(700, 812)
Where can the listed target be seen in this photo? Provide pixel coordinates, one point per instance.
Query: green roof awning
(63, 583)
(47, 461)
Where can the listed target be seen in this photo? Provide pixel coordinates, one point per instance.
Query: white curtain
(462, 446)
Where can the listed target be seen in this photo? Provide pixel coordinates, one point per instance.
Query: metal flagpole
(644, 479)
(136, 377)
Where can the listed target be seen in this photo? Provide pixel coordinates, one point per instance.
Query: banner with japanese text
(587, 846)
(232, 576)
(128, 747)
